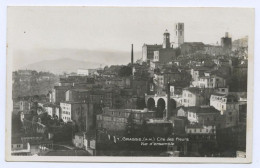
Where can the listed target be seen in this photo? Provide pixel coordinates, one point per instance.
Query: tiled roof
(194, 90)
(200, 109)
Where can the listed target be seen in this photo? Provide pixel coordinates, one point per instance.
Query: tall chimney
(168, 101)
(132, 55)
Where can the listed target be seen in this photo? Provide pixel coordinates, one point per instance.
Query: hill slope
(61, 65)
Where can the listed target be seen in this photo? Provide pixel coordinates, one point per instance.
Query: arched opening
(150, 104)
(172, 105)
(160, 107)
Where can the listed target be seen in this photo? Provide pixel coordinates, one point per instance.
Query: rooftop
(131, 110)
(194, 90)
(201, 109)
(158, 121)
(73, 102)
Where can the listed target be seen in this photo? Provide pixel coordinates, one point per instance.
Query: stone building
(116, 119)
(192, 97)
(58, 94)
(211, 80)
(79, 112)
(52, 109)
(228, 106)
(226, 42)
(191, 47)
(205, 115)
(179, 35)
(148, 51)
(166, 54)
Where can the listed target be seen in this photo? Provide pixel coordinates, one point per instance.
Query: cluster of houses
(193, 99)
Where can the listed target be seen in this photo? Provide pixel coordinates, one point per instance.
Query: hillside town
(181, 99)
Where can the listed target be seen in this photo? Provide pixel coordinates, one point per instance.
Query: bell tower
(166, 39)
(179, 34)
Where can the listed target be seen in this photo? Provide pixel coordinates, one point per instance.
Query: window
(181, 33)
(176, 33)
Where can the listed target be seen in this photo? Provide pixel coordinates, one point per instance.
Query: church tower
(179, 34)
(166, 39)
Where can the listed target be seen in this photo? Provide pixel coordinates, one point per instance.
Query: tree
(46, 119)
(130, 125)
(16, 123)
(125, 71)
(119, 103)
(140, 103)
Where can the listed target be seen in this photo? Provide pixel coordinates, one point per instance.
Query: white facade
(193, 117)
(229, 110)
(87, 72)
(51, 110)
(201, 129)
(17, 146)
(156, 56)
(191, 99)
(66, 111)
(210, 82)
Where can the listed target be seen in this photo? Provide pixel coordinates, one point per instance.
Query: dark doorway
(172, 105)
(160, 107)
(151, 104)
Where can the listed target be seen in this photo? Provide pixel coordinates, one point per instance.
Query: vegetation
(125, 71)
(32, 83)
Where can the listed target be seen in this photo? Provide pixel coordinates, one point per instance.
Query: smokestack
(132, 55)
(168, 101)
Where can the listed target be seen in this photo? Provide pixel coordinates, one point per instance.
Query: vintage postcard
(129, 84)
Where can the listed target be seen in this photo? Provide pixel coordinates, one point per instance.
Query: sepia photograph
(129, 84)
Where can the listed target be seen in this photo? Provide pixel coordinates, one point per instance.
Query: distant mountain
(61, 65)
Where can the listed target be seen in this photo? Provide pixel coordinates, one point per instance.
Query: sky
(43, 33)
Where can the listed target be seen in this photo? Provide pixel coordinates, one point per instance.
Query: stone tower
(166, 39)
(226, 42)
(179, 34)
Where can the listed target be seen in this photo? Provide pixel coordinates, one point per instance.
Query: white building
(87, 72)
(52, 110)
(204, 115)
(192, 97)
(210, 81)
(66, 109)
(200, 129)
(228, 106)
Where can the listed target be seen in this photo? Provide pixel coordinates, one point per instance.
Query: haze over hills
(59, 61)
(69, 60)
(61, 65)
